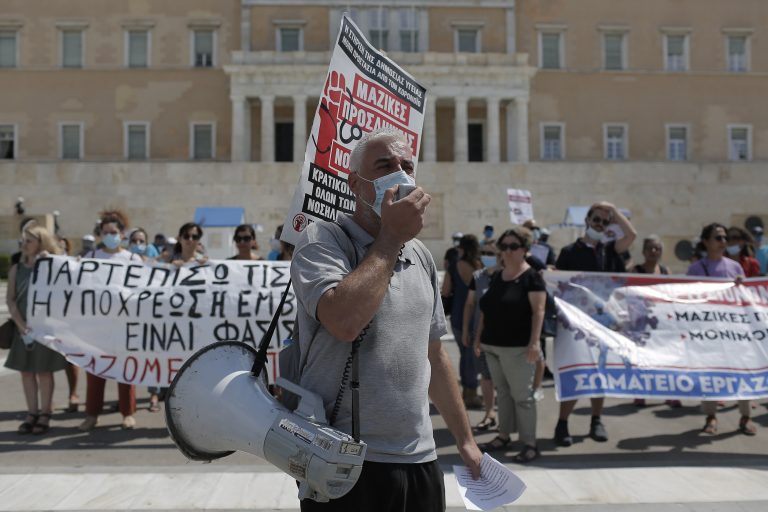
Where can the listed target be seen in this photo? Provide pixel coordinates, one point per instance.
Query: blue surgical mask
(733, 250)
(488, 261)
(536, 234)
(138, 248)
(488, 233)
(28, 339)
(111, 241)
(380, 185)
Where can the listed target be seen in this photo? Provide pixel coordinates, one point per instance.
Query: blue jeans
(467, 370)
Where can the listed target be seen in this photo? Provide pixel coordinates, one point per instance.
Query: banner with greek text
(137, 323)
(662, 337)
(364, 90)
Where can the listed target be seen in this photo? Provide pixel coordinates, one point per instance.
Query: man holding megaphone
(366, 282)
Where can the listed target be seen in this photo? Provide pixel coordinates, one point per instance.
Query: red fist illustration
(330, 105)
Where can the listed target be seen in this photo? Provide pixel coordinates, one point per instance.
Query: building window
(72, 48)
(136, 141)
(8, 49)
(467, 40)
(552, 142)
(7, 142)
(71, 141)
(677, 143)
(284, 142)
(738, 55)
(378, 32)
(137, 45)
(475, 142)
(676, 52)
(740, 143)
(409, 30)
(614, 51)
(550, 50)
(203, 141)
(615, 142)
(204, 48)
(290, 39)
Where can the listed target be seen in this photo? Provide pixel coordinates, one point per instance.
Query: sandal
(73, 405)
(528, 454)
(498, 443)
(154, 407)
(747, 426)
(710, 427)
(488, 423)
(28, 426)
(41, 428)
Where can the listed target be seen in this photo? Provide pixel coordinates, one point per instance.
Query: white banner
(364, 90)
(664, 337)
(137, 324)
(520, 205)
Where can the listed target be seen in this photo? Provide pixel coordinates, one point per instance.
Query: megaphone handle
(354, 387)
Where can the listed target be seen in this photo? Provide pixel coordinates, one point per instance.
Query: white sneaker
(129, 423)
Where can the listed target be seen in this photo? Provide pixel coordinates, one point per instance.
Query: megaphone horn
(216, 406)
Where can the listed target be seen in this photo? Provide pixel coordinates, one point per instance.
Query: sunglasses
(599, 220)
(191, 237)
(239, 239)
(512, 247)
(720, 238)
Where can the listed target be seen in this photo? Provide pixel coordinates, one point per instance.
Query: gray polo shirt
(394, 368)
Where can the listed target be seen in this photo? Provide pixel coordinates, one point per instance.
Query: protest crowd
(493, 293)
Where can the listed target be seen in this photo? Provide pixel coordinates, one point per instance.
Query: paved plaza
(656, 460)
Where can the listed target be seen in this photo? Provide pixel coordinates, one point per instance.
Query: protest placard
(520, 205)
(364, 90)
(662, 337)
(137, 324)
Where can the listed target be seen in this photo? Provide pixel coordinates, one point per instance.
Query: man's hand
(472, 456)
(403, 220)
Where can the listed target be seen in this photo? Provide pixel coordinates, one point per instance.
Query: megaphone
(216, 406)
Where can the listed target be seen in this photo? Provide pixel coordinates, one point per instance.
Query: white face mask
(733, 250)
(488, 261)
(594, 234)
(380, 185)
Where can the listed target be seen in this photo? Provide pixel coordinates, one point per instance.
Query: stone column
(241, 129)
(423, 36)
(299, 127)
(429, 135)
(511, 29)
(267, 128)
(494, 133)
(245, 28)
(460, 130)
(511, 125)
(393, 29)
(521, 108)
(334, 22)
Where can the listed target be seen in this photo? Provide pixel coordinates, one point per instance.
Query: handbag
(7, 332)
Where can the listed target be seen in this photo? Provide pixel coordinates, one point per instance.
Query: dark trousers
(94, 400)
(385, 487)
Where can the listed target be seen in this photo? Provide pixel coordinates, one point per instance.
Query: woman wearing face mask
(456, 283)
(185, 251)
(715, 264)
(741, 248)
(652, 250)
(512, 316)
(137, 244)
(36, 362)
(111, 228)
(245, 241)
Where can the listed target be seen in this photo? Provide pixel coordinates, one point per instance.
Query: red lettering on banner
(367, 119)
(135, 368)
(173, 368)
(111, 359)
(152, 365)
(374, 95)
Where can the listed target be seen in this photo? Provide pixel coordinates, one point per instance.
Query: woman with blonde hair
(35, 361)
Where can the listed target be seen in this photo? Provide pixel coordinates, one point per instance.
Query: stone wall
(671, 200)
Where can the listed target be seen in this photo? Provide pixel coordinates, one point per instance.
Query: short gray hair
(653, 239)
(385, 132)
